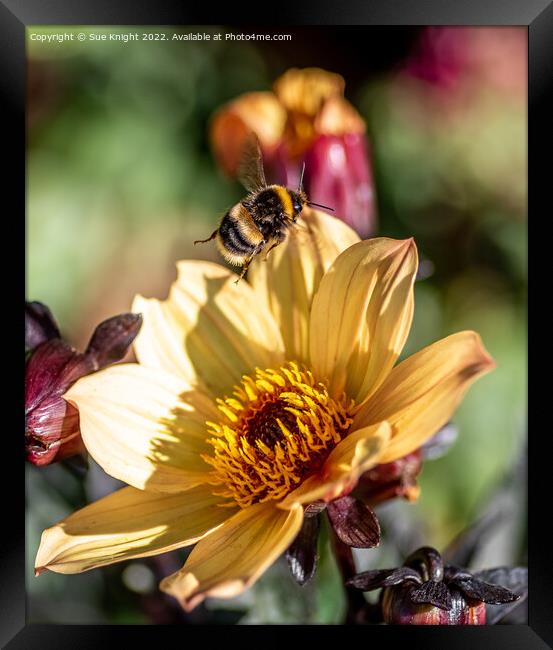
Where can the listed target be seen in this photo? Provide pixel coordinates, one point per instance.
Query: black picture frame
(15, 16)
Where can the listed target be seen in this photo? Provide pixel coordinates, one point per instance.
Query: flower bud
(424, 592)
(51, 424)
(338, 174)
(399, 609)
(306, 120)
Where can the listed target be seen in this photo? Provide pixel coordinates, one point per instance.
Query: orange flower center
(277, 430)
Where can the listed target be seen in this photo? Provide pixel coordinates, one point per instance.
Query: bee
(261, 220)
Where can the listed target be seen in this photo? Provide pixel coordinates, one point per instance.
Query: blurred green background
(121, 180)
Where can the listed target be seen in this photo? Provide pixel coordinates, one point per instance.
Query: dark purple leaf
(112, 338)
(369, 580)
(484, 591)
(433, 593)
(354, 522)
(441, 442)
(516, 580)
(302, 554)
(513, 578)
(40, 325)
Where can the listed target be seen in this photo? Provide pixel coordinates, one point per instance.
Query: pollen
(277, 429)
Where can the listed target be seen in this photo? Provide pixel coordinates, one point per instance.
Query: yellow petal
(305, 90)
(361, 315)
(356, 454)
(128, 524)
(210, 331)
(292, 273)
(234, 556)
(144, 426)
(339, 117)
(260, 112)
(421, 393)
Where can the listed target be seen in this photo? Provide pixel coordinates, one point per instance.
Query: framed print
(276, 324)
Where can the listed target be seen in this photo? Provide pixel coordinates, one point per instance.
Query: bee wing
(250, 168)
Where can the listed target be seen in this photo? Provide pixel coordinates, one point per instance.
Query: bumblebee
(261, 220)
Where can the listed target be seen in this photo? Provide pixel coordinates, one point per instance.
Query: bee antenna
(300, 186)
(318, 205)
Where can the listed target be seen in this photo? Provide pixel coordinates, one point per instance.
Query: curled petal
(128, 524)
(290, 277)
(348, 460)
(421, 393)
(144, 426)
(362, 314)
(234, 556)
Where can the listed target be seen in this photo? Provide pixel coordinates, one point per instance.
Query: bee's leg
(257, 250)
(270, 249)
(203, 241)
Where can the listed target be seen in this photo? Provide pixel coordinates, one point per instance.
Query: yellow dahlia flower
(251, 401)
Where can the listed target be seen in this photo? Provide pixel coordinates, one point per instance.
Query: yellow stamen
(276, 430)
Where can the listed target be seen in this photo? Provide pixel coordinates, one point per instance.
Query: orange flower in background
(305, 120)
(252, 401)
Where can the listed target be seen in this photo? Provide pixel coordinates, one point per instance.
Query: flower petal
(361, 315)
(421, 393)
(210, 331)
(260, 112)
(235, 555)
(292, 273)
(356, 454)
(144, 426)
(305, 90)
(128, 524)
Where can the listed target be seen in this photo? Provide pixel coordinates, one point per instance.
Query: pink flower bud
(338, 174)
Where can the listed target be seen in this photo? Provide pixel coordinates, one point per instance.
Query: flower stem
(357, 605)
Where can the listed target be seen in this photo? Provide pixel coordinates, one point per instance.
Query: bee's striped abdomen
(238, 237)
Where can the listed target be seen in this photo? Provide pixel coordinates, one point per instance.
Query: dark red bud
(52, 432)
(112, 338)
(398, 608)
(40, 325)
(51, 424)
(52, 368)
(354, 523)
(338, 174)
